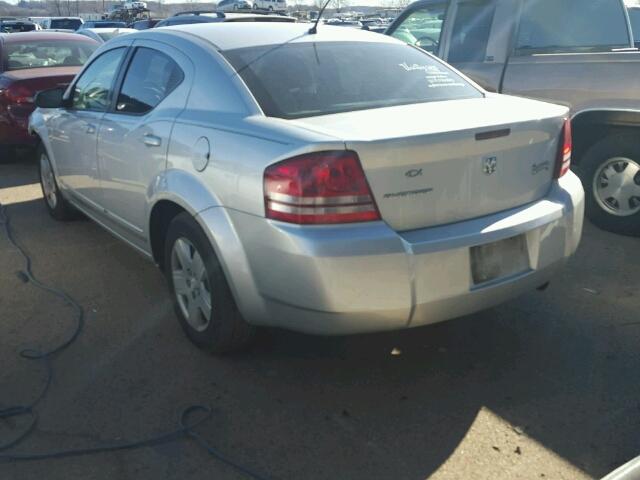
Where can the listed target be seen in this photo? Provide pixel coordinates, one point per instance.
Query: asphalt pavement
(545, 386)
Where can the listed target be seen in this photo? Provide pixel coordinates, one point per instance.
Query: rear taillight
(319, 188)
(17, 94)
(563, 163)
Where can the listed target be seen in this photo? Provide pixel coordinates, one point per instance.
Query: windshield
(39, 54)
(66, 23)
(308, 79)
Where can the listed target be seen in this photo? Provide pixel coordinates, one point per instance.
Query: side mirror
(52, 98)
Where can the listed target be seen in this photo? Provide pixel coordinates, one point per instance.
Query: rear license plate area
(499, 260)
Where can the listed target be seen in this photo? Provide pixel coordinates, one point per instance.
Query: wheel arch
(591, 126)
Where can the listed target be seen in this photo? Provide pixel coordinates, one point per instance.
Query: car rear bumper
(366, 277)
(14, 127)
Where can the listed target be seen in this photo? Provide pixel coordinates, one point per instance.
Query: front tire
(610, 173)
(203, 300)
(57, 206)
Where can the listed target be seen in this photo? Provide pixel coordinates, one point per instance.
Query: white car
(135, 5)
(271, 5)
(233, 5)
(332, 182)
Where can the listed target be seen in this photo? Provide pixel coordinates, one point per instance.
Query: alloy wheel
(191, 284)
(616, 186)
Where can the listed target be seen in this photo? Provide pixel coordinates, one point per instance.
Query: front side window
(552, 26)
(93, 89)
(151, 76)
(471, 30)
(307, 79)
(50, 53)
(423, 27)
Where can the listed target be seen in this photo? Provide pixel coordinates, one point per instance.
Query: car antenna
(313, 30)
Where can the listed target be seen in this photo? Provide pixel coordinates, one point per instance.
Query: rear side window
(556, 26)
(151, 76)
(471, 31)
(47, 53)
(307, 79)
(634, 16)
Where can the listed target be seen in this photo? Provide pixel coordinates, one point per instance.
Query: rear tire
(57, 206)
(202, 298)
(610, 173)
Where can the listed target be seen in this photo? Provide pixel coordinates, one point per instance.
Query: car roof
(233, 35)
(110, 30)
(43, 35)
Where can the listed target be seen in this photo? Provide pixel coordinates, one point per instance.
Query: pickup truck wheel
(610, 172)
(203, 300)
(57, 206)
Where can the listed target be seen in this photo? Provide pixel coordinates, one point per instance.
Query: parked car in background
(144, 24)
(102, 35)
(337, 182)
(270, 5)
(233, 5)
(571, 52)
(65, 23)
(102, 24)
(218, 17)
(32, 62)
(14, 26)
(340, 22)
(129, 5)
(634, 17)
(186, 20)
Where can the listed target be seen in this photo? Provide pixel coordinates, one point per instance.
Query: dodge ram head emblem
(489, 165)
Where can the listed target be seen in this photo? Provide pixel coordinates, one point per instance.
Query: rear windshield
(39, 54)
(17, 27)
(308, 79)
(66, 23)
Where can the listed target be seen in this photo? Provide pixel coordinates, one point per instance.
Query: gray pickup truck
(578, 53)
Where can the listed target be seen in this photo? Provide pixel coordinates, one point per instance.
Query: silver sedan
(332, 182)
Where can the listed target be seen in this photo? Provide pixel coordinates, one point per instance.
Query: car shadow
(17, 169)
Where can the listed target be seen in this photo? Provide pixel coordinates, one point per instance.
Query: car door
(73, 131)
(134, 134)
(478, 40)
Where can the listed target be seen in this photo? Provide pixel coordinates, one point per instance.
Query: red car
(30, 62)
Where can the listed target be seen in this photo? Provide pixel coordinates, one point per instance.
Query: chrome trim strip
(295, 200)
(292, 209)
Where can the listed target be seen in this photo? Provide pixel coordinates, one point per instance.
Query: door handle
(151, 140)
(91, 129)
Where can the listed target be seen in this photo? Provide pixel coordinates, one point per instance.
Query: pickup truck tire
(613, 161)
(190, 259)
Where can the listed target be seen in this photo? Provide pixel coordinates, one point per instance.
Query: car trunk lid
(437, 163)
